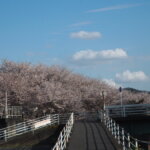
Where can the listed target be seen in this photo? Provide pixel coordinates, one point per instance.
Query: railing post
(105, 119)
(50, 119)
(115, 130)
(72, 118)
(123, 139)
(58, 119)
(118, 134)
(24, 126)
(109, 121)
(67, 133)
(136, 144)
(33, 128)
(61, 146)
(111, 126)
(129, 144)
(57, 147)
(5, 135)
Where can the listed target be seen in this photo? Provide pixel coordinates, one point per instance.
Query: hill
(136, 90)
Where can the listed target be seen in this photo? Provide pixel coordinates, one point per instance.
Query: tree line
(54, 89)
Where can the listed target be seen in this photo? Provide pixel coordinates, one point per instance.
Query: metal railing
(123, 138)
(28, 126)
(13, 111)
(128, 110)
(64, 134)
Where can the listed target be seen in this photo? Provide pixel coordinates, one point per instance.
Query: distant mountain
(135, 90)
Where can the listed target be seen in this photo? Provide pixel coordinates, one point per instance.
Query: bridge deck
(89, 135)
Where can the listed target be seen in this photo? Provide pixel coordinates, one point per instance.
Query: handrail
(123, 138)
(128, 110)
(28, 126)
(129, 105)
(64, 134)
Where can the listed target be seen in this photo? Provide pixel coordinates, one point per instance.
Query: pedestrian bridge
(82, 131)
(90, 135)
(98, 131)
(95, 131)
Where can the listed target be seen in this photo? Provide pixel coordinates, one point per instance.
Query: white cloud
(111, 83)
(103, 54)
(128, 76)
(117, 53)
(86, 35)
(117, 7)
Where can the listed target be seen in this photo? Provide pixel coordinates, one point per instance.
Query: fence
(128, 110)
(123, 138)
(32, 125)
(65, 134)
(13, 111)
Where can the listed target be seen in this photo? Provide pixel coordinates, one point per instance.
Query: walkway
(89, 135)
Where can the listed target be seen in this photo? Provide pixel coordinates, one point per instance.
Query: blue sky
(102, 39)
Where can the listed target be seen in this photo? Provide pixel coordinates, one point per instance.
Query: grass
(44, 137)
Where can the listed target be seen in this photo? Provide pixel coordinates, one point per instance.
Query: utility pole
(122, 111)
(120, 90)
(6, 105)
(103, 94)
(104, 99)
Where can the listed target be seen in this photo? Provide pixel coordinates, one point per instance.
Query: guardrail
(30, 125)
(128, 110)
(65, 134)
(123, 138)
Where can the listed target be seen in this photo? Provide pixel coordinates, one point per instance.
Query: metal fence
(13, 111)
(128, 110)
(65, 134)
(32, 125)
(123, 138)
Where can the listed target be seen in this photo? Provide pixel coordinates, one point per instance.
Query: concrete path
(89, 135)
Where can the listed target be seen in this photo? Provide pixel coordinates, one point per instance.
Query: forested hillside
(50, 89)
